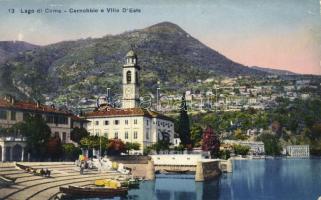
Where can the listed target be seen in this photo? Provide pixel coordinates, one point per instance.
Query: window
(135, 121)
(126, 135)
(126, 122)
(64, 137)
(106, 123)
(135, 134)
(13, 115)
(97, 123)
(129, 76)
(116, 135)
(3, 114)
(56, 134)
(106, 135)
(62, 120)
(116, 122)
(147, 122)
(147, 134)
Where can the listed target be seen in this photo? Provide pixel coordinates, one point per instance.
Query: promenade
(31, 187)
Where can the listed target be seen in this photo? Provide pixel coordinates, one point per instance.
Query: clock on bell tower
(130, 81)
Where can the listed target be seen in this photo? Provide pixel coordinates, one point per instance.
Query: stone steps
(29, 186)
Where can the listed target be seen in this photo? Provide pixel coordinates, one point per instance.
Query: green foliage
(132, 146)
(78, 133)
(271, 144)
(241, 149)
(37, 133)
(70, 151)
(161, 145)
(196, 135)
(183, 124)
(180, 148)
(59, 69)
(94, 142)
(224, 154)
(239, 135)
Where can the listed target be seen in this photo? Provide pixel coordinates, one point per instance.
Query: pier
(205, 169)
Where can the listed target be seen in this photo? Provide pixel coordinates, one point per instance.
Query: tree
(115, 147)
(37, 132)
(70, 151)
(54, 148)
(239, 135)
(132, 146)
(77, 134)
(161, 145)
(196, 135)
(241, 149)
(271, 144)
(183, 124)
(211, 142)
(94, 142)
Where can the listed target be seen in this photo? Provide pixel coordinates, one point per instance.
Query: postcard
(186, 100)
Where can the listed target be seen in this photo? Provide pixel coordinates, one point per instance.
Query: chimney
(38, 104)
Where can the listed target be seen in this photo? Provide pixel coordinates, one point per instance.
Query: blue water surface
(280, 179)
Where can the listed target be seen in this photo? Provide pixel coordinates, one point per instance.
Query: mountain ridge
(85, 67)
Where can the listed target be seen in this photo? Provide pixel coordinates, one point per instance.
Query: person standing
(82, 167)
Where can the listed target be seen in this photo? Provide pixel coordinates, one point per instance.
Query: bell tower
(130, 81)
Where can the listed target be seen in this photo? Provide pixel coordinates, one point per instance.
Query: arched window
(129, 76)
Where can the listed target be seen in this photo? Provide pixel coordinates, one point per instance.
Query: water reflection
(251, 179)
(173, 187)
(273, 179)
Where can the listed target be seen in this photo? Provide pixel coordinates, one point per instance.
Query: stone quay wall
(207, 170)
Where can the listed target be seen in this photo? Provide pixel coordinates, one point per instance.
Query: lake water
(251, 179)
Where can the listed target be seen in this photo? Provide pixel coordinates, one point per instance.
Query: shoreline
(272, 158)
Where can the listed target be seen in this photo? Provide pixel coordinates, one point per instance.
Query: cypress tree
(183, 124)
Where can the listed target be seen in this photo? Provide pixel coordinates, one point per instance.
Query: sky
(279, 34)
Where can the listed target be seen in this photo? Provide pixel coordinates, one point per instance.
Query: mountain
(9, 49)
(71, 70)
(274, 71)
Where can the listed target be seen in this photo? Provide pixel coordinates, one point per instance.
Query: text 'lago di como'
(30, 11)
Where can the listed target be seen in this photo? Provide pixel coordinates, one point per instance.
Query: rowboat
(176, 171)
(75, 191)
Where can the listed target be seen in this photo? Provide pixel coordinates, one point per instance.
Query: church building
(131, 123)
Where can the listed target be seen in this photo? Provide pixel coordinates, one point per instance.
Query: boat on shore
(76, 191)
(176, 171)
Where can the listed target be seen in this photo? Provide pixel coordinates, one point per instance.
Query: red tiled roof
(79, 119)
(30, 106)
(121, 112)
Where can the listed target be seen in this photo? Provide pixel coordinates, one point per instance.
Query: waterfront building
(132, 122)
(298, 150)
(12, 145)
(256, 147)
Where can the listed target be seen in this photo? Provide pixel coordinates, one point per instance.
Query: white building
(298, 150)
(12, 145)
(131, 123)
(256, 147)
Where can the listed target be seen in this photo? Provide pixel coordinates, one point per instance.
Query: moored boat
(75, 191)
(176, 171)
